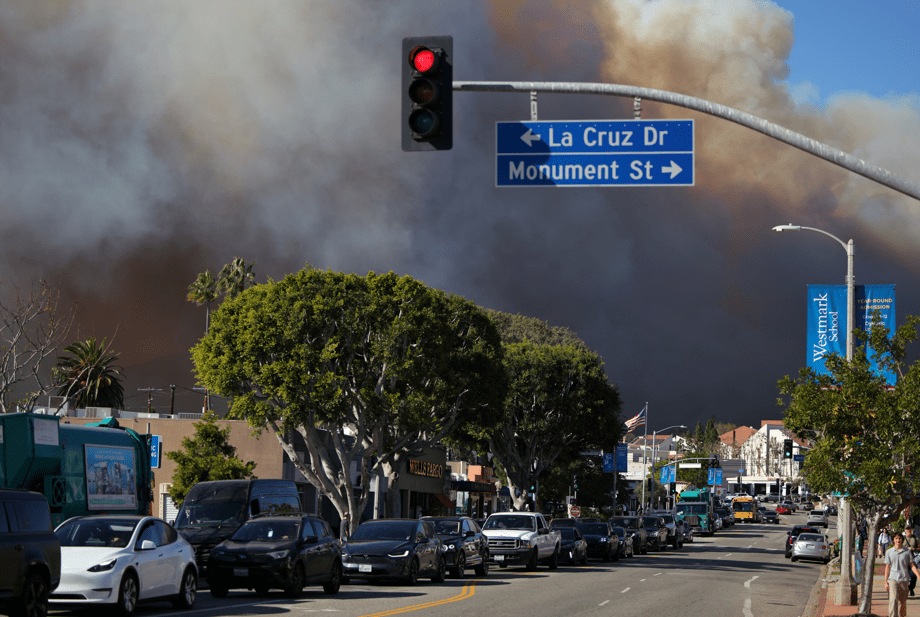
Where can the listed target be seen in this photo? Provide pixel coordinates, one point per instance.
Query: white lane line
(625, 590)
(659, 574)
(641, 580)
(746, 610)
(604, 602)
(747, 584)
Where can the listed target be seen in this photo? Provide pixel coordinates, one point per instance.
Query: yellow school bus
(745, 509)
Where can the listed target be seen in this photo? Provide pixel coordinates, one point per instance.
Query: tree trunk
(393, 502)
(865, 600)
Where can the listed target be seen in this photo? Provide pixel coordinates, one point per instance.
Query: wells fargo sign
(422, 468)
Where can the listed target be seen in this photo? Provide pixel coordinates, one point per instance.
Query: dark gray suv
(30, 554)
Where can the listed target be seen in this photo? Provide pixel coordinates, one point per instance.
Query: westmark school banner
(827, 315)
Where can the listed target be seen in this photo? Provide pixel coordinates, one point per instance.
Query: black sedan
(627, 541)
(770, 516)
(464, 545)
(601, 541)
(396, 548)
(277, 551)
(574, 548)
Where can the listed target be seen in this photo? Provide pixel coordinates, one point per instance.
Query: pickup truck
(517, 538)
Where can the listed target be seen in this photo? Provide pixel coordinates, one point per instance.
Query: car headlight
(603, 539)
(104, 566)
(404, 553)
(525, 543)
(278, 554)
(450, 547)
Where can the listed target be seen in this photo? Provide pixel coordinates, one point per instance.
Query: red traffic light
(423, 60)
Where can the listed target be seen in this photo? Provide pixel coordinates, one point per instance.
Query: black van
(30, 554)
(212, 511)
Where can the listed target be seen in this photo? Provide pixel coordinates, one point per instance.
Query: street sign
(690, 465)
(155, 451)
(798, 458)
(575, 511)
(610, 462)
(595, 153)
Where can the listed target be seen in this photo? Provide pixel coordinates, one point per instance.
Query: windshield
(626, 522)
(111, 532)
(445, 527)
(402, 531)
(510, 522)
(209, 506)
(743, 506)
(267, 531)
(619, 531)
(810, 537)
(567, 533)
(693, 508)
(595, 529)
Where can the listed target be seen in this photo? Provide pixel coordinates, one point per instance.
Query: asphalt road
(739, 571)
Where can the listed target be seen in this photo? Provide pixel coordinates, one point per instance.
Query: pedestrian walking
(884, 541)
(898, 566)
(912, 544)
(863, 536)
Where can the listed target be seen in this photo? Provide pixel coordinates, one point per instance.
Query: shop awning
(471, 487)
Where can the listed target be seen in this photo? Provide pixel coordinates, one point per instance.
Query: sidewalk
(827, 608)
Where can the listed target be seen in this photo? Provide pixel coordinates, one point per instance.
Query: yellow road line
(468, 592)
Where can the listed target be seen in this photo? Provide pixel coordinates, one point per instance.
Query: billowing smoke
(145, 142)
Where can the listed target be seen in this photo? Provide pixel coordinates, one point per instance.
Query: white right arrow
(528, 138)
(673, 169)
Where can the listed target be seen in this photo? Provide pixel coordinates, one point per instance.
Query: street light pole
(655, 450)
(846, 586)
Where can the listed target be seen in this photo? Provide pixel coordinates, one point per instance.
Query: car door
(426, 546)
(10, 553)
(173, 558)
(149, 563)
(469, 541)
(313, 549)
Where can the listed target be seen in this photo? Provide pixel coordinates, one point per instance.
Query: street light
(654, 455)
(846, 586)
(850, 248)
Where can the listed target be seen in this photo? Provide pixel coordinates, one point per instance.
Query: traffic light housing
(575, 479)
(428, 91)
(787, 448)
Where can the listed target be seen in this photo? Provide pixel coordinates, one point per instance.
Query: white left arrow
(673, 169)
(528, 138)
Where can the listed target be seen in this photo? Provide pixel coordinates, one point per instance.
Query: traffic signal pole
(796, 140)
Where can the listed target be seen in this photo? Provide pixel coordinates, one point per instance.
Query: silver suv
(817, 518)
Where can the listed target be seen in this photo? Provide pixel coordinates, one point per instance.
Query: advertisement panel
(110, 478)
(827, 315)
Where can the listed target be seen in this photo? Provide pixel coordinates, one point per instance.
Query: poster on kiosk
(827, 315)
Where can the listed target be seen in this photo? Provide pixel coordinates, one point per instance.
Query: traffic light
(575, 481)
(787, 448)
(428, 92)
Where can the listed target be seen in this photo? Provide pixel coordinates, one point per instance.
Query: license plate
(809, 546)
(499, 558)
(240, 572)
(363, 567)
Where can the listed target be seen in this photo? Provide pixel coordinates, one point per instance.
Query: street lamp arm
(791, 227)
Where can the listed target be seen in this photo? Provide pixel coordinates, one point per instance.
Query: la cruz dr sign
(595, 153)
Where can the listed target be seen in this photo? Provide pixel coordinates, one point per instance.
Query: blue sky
(854, 45)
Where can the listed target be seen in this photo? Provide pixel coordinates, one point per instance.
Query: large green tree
(89, 375)
(866, 435)
(559, 401)
(385, 365)
(206, 457)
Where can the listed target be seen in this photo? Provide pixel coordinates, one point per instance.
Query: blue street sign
(595, 153)
(798, 458)
(155, 451)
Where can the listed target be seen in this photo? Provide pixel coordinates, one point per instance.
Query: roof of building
(737, 436)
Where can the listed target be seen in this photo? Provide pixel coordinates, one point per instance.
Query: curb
(818, 596)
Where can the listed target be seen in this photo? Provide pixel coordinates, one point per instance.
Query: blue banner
(714, 477)
(668, 475)
(827, 316)
(615, 461)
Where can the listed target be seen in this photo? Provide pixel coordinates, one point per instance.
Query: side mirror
(469, 533)
(423, 540)
(148, 545)
(542, 531)
(310, 540)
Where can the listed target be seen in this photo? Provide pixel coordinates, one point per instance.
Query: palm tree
(234, 277)
(204, 290)
(89, 375)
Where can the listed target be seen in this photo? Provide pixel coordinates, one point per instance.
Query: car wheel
(483, 568)
(34, 600)
(554, 560)
(458, 570)
(218, 590)
(412, 575)
(532, 562)
(334, 583)
(644, 550)
(188, 591)
(127, 595)
(794, 558)
(675, 543)
(295, 589)
(441, 573)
